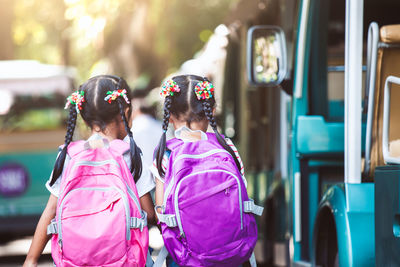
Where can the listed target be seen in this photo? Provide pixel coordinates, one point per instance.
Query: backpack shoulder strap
(173, 143)
(75, 148)
(213, 138)
(119, 147)
(162, 256)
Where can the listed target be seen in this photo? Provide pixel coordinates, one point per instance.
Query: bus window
(326, 77)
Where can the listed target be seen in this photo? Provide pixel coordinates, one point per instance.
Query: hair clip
(169, 87)
(112, 95)
(204, 90)
(76, 98)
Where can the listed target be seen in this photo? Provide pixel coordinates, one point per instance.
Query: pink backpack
(99, 221)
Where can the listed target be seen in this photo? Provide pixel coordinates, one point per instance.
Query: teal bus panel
(315, 136)
(26, 197)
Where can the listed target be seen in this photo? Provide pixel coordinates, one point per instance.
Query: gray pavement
(13, 253)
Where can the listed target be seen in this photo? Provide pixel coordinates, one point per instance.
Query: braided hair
(59, 165)
(185, 105)
(208, 111)
(163, 140)
(135, 152)
(97, 112)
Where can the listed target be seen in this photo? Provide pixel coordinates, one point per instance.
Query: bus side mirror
(266, 55)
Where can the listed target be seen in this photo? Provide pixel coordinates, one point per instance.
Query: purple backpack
(207, 217)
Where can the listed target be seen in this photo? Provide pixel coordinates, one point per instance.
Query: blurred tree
(6, 19)
(39, 31)
(132, 38)
(132, 50)
(181, 28)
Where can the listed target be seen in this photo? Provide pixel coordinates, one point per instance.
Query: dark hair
(96, 111)
(185, 106)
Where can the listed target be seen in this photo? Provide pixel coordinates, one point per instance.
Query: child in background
(145, 127)
(103, 102)
(201, 198)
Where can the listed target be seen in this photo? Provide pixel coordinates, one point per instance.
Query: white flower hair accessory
(112, 95)
(76, 98)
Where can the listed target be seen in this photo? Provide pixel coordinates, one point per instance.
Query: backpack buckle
(52, 227)
(251, 207)
(168, 219)
(139, 223)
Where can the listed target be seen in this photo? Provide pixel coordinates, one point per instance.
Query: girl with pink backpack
(100, 199)
(206, 216)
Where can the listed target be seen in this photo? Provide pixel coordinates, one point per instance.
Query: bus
(309, 96)
(32, 126)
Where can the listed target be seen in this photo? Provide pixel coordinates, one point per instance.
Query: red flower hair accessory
(169, 87)
(204, 90)
(76, 98)
(112, 95)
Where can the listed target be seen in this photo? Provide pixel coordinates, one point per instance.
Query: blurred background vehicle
(32, 126)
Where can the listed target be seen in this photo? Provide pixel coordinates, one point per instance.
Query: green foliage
(115, 35)
(186, 26)
(32, 120)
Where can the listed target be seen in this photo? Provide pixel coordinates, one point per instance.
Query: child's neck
(105, 136)
(195, 127)
(110, 132)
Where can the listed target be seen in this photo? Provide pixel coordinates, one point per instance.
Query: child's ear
(171, 119)
(214, 110)
(128, 117)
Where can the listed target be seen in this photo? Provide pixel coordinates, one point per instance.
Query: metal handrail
(372, 47)
(352, 90)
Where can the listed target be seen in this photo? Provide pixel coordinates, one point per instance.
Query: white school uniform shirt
(144, 185)
(146, 132)
(179, 135)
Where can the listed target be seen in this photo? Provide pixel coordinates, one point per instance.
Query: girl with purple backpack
(201, 200)
(100, 194)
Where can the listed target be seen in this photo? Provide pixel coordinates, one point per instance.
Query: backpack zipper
(176, 204)
(95, 163)
(133, 196)
(199, 156)
(110, 161)
(123, 196)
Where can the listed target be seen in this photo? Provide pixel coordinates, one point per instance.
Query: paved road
(14, 261)
(12, 254)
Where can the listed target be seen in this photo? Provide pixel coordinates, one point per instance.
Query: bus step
(302, 264)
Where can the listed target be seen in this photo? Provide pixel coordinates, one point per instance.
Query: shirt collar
(178, 133)
(95, 136)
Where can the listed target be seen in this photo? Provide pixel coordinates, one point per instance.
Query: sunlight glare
(71, 2)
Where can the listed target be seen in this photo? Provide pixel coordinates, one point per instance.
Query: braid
(59, 165)
(122, 113)
(207, 107)
(167, 107)
(135, 152)
(159, 154)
